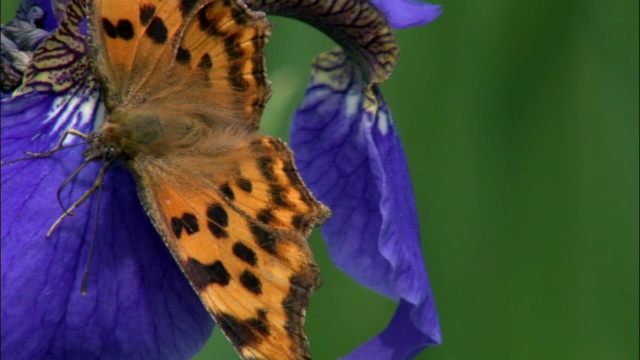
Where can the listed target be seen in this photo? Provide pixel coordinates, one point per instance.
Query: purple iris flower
(350, 155)
(138, 303)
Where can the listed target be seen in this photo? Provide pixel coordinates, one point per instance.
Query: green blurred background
(520, 122)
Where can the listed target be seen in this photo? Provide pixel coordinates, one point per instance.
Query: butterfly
(184, 85)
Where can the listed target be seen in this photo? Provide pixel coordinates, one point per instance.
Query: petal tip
(408, 13)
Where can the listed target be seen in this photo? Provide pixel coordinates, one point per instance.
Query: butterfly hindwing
(280, 199)
(254, 276)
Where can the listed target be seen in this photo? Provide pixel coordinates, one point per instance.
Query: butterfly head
(103, 146)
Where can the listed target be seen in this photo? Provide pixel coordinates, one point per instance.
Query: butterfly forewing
(255, 277)
(137, 43)
(210, 52)
(226, 47)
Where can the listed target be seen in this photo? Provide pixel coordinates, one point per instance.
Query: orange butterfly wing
(225, 43)
(239, 230)
(185, 86)
(157, 51)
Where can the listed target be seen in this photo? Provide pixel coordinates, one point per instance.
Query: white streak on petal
(383, 122)
(352, 104)
(76, 109)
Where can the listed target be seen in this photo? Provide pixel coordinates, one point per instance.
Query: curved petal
(360, 29)
(350, 156)
(399, 340)
(407, 13)
(138, 303)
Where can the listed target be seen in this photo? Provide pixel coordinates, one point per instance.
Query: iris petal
(350, 155)
(407, 13)
(398, 340)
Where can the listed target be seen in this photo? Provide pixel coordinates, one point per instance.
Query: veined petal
(407, 13)
(138, 303)
(358, 27)
(350, 156)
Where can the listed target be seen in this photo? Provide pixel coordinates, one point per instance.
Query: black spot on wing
(207, 25)
(264, 239)
(183, 56)
(109, 28)
(232, 48)
(250, 282)
(146, 13)
(239, 15)
(125, 29)
(157, 31)
(244, 184)
(244, 253)
(205, 62)
(203, 275)
(265, 216)
(278, 195)
(217, 218)
(218, 214)
(188, 222)
(186, 6)
(227, 191)
(203, 21)
(265, 165)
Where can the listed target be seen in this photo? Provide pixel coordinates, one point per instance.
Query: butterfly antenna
(85, 277)
(96, 185)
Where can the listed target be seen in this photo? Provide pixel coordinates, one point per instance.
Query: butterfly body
(184, 84)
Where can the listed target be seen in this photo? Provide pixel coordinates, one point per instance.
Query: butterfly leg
(96, 185)
(67, 181)
(59, 147)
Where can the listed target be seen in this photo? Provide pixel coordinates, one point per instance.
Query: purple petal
(350, 156)
(398, 341)
(407, 13)
(50, 20)
(138, 303)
